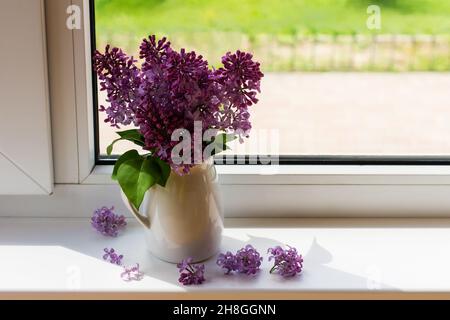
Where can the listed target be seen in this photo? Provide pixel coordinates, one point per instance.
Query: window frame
(26, 164)
(283, 159)
(298, 187)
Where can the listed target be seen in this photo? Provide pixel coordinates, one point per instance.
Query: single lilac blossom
(191, 273)
(132, 272)
(112, 257)
(107, 222)
(227, 261)
(287, 262)
(246, 260)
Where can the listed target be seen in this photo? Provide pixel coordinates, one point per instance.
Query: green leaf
(219, 143)
(132, 135)
(164, 168)
(222, 139)
(136, 176)
(228, 137)
(109, 148)
(153, 168)
(131, 154)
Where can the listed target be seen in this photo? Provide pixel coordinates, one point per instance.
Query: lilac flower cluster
(112, 257)
(227, 261)
(240, 81)
(191, 273)
(129, 273)
(120, 78)
(107, 222)
(246, 260)
(172, 90)
(287, 262)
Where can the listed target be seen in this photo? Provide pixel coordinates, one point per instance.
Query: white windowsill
(346, 255)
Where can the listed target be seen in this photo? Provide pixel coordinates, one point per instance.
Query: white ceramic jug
(184, 218)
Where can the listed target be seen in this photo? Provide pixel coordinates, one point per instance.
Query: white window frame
(248, 191)
(25, 139)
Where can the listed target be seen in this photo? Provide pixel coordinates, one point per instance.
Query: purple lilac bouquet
(191, 273)
(246, 260)
(170, 97)
(287, 262)
(107, 222)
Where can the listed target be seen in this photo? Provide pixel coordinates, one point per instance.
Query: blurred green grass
(281, 33)
(270, 16)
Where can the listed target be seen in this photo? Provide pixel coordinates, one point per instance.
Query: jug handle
(145, 221)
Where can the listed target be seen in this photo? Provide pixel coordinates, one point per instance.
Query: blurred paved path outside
(348, 114)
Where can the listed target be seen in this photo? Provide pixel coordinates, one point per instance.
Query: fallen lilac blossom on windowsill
(105, 221)
(246, 260)
(112, 257)
(131, 273)
(191, 273)
(227, 261)
(287, 263)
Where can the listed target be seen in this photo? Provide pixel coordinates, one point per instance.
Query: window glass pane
(342, 77)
